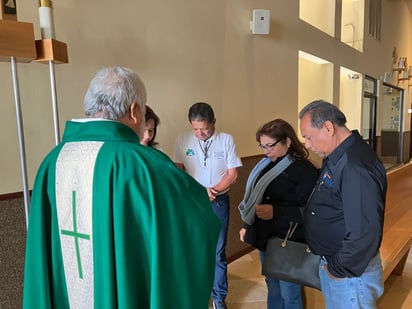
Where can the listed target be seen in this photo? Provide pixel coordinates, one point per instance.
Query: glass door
(369, 112)
(369, 120)
(391, 126)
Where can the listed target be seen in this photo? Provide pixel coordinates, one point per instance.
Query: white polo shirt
(206, 161)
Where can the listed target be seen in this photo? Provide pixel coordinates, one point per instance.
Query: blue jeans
(221, 207)
(282, 294)
(355, 292)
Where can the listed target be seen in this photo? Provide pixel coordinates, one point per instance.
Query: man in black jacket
(344, 215)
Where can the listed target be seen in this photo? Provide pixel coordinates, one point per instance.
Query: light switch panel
(261, 21)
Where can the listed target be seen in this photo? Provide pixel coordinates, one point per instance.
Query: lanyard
(205, 148)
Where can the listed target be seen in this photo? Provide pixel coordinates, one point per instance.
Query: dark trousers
(221, 207)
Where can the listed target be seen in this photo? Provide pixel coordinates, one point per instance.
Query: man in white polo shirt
(210, 157)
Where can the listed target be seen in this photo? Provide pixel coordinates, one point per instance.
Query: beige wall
(185, 51)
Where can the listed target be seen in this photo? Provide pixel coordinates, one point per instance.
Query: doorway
(369, 106)
(391, 125)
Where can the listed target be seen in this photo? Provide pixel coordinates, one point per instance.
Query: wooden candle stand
(17, 40)
(17, 44)
(51, 49)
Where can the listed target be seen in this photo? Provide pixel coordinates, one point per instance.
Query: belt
(222, 194)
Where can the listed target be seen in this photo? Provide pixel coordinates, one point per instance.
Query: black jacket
(344, 216)
(288, 194)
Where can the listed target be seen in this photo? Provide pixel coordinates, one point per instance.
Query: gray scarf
(254, 192)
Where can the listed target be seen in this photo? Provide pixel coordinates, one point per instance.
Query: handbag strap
(291, 230)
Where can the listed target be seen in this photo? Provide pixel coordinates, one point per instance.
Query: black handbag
(291, 261)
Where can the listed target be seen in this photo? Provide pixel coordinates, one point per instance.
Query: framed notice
(8, 9)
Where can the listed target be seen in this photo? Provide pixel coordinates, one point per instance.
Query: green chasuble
(114, 224)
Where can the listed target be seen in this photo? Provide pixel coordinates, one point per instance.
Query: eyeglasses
(268, 146)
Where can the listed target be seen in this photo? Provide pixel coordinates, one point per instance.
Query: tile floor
(247, 289)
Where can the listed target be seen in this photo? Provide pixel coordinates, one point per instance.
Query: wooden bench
(397, 230)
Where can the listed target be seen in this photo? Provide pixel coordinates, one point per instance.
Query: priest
(114, 224)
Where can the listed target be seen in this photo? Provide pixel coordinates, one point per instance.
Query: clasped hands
(264, 211)
(212, 192)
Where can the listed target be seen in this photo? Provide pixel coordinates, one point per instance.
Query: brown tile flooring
(247, 289)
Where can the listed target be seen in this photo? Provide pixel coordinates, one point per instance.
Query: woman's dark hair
(279, 129)
(150, 114)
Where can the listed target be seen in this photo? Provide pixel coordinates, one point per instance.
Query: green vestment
(114, 224)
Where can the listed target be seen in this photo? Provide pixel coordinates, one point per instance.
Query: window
(375, 13)
(315, 79)
(319, 13)
(353, 12)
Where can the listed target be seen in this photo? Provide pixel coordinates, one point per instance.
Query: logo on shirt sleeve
(190, 152)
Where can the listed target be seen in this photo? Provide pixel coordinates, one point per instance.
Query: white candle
(46, 19)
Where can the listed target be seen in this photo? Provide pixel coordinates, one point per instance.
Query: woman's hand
(242, 234)
(264, 211)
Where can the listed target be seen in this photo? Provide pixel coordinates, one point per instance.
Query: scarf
(254, 191)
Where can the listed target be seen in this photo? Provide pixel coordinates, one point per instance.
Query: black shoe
(219, 304)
